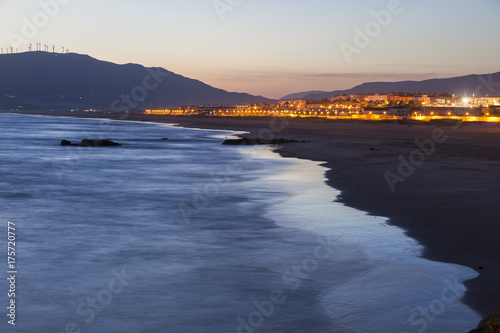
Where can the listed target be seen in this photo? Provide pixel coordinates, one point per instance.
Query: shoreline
(447, 204)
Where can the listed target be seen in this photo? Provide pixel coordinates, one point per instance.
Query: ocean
(187, 235)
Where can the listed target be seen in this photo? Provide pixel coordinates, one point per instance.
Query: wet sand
(448, 204)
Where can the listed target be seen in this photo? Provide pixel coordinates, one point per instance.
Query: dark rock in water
(164, 139)
(91, 143)
(97, 143)
(253, 142)
(489, 325)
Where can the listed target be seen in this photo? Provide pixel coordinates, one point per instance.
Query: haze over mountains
(61, 81)
(43, 80)
(480, 85)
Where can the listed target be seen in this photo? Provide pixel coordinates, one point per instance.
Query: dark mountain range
(61, 81)
(480, 85)
(302, 94)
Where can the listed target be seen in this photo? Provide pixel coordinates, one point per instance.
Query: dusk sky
(272, 47)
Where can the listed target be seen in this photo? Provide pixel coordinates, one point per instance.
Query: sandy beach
(442, 188)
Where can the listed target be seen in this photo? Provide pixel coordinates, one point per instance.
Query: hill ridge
(60, 81)
(467, 85)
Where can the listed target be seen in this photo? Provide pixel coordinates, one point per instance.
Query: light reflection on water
(389, 287)
(118, 208)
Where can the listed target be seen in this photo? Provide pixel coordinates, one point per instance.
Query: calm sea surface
(187, 235)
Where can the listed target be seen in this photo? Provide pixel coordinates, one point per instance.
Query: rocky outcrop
(253, 142)
(91, 143)
(489, 325)
(65, 143)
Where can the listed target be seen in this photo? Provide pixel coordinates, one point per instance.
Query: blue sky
(271, 47)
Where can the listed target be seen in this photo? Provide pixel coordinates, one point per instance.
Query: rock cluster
(91, 143)
(488, 325)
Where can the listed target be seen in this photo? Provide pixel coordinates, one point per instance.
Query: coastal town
(396, 105)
